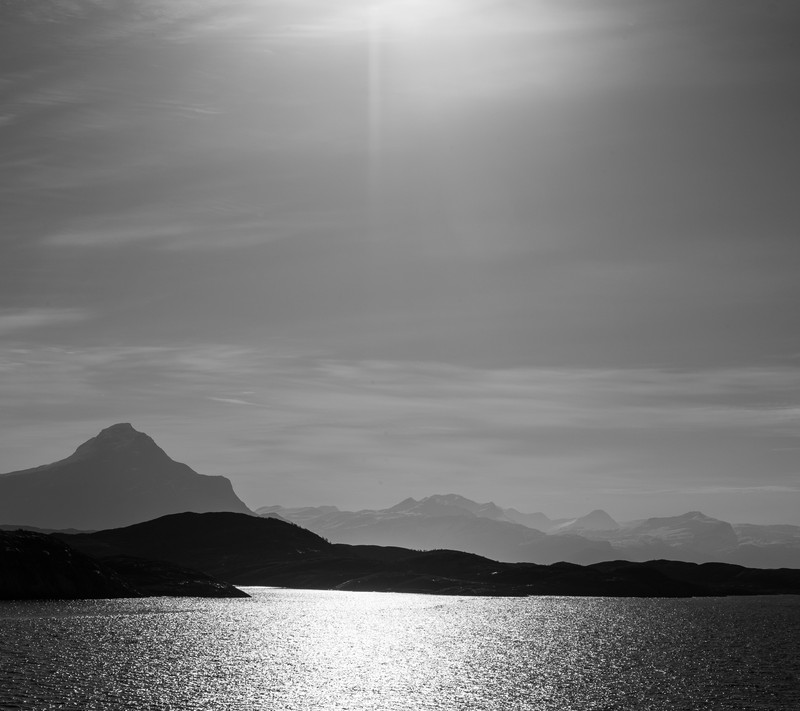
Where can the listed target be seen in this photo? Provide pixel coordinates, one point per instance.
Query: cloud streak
(205, 227)
(14, 320)
(301, 427)
(487, 400)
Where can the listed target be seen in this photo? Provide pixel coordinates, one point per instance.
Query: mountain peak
(117, 439)
(597, 520)
(404, 505)
(119, 428)
(118, 477)
(121, 432)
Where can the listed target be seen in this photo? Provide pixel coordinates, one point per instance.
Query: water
(292, 649)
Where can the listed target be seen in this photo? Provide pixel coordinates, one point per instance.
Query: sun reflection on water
(293, 650)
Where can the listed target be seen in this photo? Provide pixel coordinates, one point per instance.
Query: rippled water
(291, 649)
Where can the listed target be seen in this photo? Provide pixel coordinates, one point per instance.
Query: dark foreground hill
(119, 477)
(39, 566)
(246, 550)
(226, 545)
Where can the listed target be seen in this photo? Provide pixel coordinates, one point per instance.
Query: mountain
(119, 477)
(450, 505)
(532, 520)
(696, 537)
(222, 544)
(447, 521)
(248, 550)
(691, 530)
(767, 546)
(766, 535)
(455, 522)
(692, 536)
(597, 520)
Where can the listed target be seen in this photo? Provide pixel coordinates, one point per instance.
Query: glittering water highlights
(292, 649)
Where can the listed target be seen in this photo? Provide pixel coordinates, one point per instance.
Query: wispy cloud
(209, 226)
(234, 401)
(417, 396)
(771, 489)
(296, 426)
(12, 320)
(119, 234)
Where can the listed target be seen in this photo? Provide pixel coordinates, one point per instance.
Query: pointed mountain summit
(117, 478)
(120, 437)
(597, 520)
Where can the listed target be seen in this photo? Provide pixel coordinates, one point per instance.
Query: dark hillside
(247, 550)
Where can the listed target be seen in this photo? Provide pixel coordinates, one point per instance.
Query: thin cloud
(448, 399)
(208, 227)
(115, 236)
(12, 321)
(289, 425)
(234, 401)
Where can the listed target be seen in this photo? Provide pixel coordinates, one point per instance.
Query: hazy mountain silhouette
(696, 537)
(122, 477)
(692, 536)
(445, 521)
(119, 477)
(453, 521)
(597, 520)
(450, 505)
(767, 546)
(536, 520)
(247, 550)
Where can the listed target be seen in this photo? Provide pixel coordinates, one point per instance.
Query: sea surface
(301, 649)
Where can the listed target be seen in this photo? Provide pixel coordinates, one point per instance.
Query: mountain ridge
(118, 477)
(121, 477)
(453, 521)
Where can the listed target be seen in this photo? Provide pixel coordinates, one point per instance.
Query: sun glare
(418, 16)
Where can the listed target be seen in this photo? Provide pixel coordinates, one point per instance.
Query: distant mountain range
(119, 477)
(452, 521)
(122, 477)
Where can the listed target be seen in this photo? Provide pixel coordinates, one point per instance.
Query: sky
(538, 252)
